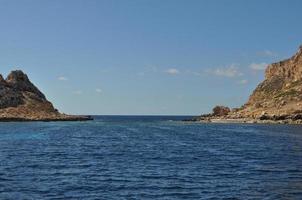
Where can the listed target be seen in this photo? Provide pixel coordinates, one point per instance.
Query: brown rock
(21, 100)
(221, 110)
(280, 91)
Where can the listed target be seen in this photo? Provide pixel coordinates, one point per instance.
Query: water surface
(149, 158)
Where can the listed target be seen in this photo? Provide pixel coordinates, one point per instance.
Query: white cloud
(98, 90)
(62, 78)
(243, 82)
(172, 71)
(153, 69)
(149, 69)
(258, 66)
(195, 73)
(141, 73)
(78, 92)
(229, 71)
(267, 53)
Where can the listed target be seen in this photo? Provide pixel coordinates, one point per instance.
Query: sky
(146, 57)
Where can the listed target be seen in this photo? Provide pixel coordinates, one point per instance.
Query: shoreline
(65, 118)
(243, 121)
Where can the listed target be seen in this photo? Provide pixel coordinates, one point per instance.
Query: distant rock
(21, 100)
(280, 94)
(221, 110)
(278, 99)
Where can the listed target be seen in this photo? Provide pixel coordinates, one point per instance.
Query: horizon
(147, 58)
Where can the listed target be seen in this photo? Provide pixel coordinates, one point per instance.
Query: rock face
(20, 100)
(221, 110)
(278, 99)
(280, 94)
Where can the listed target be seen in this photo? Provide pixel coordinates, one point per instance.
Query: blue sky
(146, 57)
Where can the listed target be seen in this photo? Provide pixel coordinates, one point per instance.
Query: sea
(149, 157)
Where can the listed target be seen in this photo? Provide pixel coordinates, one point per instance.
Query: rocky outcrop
(218, 112)
(221, 110)
(21, 100)
(277, 99)
(280, 94)
(290, 69)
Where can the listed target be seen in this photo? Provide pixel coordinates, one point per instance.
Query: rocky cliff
(21, 100)
(279, 96)
(278, 99)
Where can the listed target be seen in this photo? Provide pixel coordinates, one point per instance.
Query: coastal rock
(20, 82)
(21, 100)
(280, 93)
(278, 99)
(290, 69)
(1, 79)
(221, 110)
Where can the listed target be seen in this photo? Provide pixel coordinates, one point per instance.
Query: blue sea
(137, 157)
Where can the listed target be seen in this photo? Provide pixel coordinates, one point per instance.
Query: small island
(21, 100)
(278, 99)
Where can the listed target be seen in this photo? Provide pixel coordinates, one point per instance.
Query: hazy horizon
(146, 57)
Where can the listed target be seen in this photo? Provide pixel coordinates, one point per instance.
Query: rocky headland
(278, 99)
(21, 100)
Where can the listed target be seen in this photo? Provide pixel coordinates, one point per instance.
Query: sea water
(120, 157)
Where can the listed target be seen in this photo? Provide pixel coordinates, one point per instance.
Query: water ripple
(149, 158)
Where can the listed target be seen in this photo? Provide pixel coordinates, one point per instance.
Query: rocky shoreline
(276, 100)
(289, 120)
(67, 118)
(21, 100)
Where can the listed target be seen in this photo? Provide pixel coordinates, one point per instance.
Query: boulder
(221, 110)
